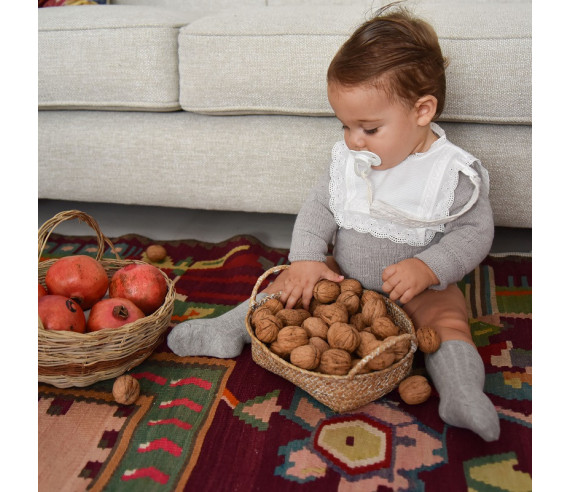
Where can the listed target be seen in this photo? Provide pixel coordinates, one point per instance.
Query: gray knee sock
(222, 337)
(458, 374)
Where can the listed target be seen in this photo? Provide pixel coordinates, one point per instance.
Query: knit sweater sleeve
(315, 225)
(466, 241)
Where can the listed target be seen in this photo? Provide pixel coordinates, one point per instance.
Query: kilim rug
(228, 425)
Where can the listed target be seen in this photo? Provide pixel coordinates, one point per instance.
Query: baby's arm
(314, 230)
(464, 244)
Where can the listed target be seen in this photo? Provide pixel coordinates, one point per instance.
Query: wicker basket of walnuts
(350, 348)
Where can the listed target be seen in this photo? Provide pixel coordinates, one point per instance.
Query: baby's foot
(458, 374)
(222, 337)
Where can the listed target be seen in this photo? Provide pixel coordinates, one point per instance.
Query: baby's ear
(425, 107)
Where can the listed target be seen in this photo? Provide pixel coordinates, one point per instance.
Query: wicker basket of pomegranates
(95, 319)
(351, 347)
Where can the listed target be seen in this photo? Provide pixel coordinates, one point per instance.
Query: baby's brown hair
(395, 52)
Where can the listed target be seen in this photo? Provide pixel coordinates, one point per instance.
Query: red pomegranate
(80, 277)
(112, 313)
(41, 290)
(143, 284)
(61, 313)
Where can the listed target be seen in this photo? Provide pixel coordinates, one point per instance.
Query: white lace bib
(408, 203)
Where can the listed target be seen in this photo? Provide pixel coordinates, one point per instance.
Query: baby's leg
(456, 369)
(224, 336)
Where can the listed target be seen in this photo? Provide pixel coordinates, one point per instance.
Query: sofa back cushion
(109, 57)
(274, 59)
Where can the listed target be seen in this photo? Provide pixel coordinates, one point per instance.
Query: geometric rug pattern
(210, 424)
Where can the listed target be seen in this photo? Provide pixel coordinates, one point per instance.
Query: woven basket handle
(47, 228)
(260, 280)
(377, 351)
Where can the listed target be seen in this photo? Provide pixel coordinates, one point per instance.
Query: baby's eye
(371, 131)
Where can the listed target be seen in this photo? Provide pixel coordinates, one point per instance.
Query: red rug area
(219, 425)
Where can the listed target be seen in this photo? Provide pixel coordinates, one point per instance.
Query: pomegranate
(61, 313)
(41, 290)
(112, 313)
(143, 284)
(80, 277)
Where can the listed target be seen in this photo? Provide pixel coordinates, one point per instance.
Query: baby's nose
(355, 142)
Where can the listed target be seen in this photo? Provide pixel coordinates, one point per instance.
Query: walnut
(366, 338)
(260, 313)
(400, 349)
(383, 360)
(350, 284)
(372, 309)
(326, 291)
(306, 357)
(383, 327)
(156, 253)
(313, 305)
(266, 329)
(367, 295)
(349, 300)
(291, 337)
(331, 313)
(293, 317)
(279, 350)
(315, 327)
(335, 361)
(343, 336)
(428, 339)
(414, 390)
(357, 321)
(126, 389)
(273, 304)
(319, 344)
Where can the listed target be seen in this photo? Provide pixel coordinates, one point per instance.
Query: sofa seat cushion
(274, 59)
(242, 163)
(109, 57)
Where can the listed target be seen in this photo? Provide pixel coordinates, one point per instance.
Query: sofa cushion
(274, 59)
(108, 57)
(257, 163)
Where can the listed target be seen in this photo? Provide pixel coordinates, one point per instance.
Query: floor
(161, 223)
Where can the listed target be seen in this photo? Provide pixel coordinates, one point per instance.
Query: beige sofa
(201, 104)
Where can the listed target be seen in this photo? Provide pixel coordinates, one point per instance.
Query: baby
(407, 211)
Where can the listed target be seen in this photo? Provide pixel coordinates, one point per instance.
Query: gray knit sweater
(465, 242)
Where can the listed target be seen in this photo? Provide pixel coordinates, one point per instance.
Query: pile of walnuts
(344, 323)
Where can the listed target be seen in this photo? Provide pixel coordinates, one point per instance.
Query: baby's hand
(301, 278)
(406, 279)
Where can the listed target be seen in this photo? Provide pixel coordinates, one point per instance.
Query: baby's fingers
(389, 285)
(388, 272)
(291, 300)
(407, 296)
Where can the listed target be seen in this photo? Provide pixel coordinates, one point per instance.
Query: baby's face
(372, 122)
